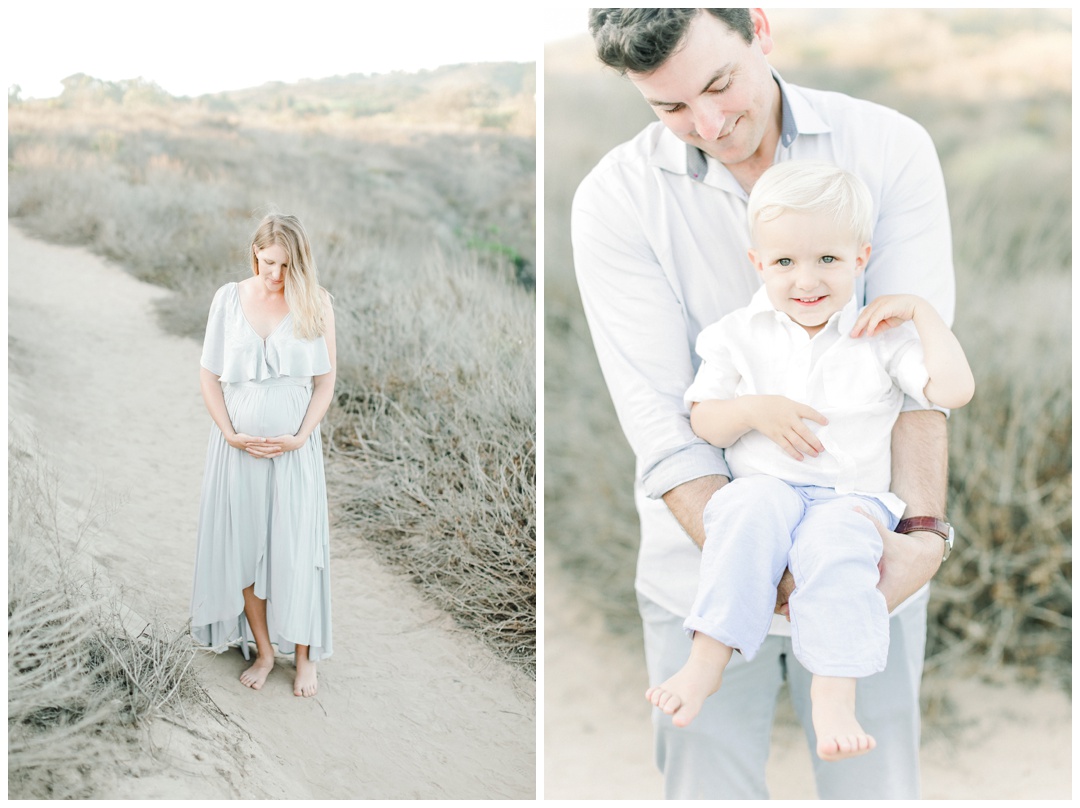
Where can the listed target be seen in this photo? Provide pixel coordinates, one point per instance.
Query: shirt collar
(844, 319)
(797, 117)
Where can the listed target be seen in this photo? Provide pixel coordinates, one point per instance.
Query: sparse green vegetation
(993, 89)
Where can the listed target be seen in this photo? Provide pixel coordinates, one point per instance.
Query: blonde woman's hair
(813, 186)
(302, 291)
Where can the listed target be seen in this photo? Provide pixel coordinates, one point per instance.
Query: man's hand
(908, 560)
(783, 594)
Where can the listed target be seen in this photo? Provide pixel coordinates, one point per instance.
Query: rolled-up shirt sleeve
(639, 331)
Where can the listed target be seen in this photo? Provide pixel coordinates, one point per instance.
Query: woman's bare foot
(683, 695)
(255, 676)
(305, 684)
(839, 734)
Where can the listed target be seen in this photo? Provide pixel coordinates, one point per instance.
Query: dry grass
(424, 233)
(1005, 596)
(84, 675)
(432, 443)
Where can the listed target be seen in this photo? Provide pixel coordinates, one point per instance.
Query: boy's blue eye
(827, 259)
(784, 262)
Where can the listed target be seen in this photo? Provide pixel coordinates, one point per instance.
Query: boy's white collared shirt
(857, 384)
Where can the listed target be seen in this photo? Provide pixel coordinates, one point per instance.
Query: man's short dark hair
(639, 40)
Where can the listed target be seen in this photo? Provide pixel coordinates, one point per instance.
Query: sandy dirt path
(989, 742)
(408, 706)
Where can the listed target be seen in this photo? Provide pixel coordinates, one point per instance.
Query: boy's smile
(809, 263)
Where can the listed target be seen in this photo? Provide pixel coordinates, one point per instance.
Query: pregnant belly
(267, 409)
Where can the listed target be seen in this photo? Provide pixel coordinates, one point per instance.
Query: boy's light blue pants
(722, 754)
(757, 526)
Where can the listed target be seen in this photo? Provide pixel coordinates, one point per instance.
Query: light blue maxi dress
(262, 521)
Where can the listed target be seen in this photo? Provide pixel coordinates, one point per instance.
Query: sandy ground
(991, 741)
(408, 706)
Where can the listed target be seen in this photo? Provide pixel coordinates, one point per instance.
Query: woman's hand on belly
(284, 443)
(256, 447)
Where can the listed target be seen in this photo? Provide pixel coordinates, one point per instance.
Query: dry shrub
(1005, 596)
(432, 444)
(174, 199)
(426, 240)
(81, 682)
(590, 524)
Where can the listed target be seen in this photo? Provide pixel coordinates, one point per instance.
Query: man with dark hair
(639, 40)
(660, 249)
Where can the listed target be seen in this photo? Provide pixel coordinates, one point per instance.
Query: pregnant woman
(268, 367)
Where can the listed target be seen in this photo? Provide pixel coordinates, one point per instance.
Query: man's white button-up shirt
(660, 239)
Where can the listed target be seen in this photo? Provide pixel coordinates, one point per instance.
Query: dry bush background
(418, 192)
(83, 672)
(993, 87)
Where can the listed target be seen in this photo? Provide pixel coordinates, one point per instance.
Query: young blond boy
(801, 389)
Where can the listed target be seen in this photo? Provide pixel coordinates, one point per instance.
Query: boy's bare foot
(306, 683)
(255, 676)
(839, 734)
(683, 695)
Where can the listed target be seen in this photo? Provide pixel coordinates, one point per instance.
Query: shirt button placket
(799, 364)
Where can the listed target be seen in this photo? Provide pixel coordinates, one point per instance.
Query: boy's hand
(781, 420)
(885, 312)
(951, 383)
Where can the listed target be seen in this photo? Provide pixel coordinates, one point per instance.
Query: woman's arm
(210, 385)
(321, 395)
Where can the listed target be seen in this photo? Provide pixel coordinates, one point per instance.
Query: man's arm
(687, 503)
(639, 330)
(913, 255)
(920, 473)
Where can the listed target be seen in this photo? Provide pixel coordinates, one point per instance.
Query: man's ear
(761, 30)
(861, 257)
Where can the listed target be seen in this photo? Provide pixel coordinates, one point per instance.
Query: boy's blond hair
(813, 186)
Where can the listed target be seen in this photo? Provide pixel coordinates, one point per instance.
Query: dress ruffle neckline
(236, 353)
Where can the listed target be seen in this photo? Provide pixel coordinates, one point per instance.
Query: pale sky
(561, 22)
(199, 46)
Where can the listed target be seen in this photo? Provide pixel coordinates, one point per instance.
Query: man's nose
(709, 122)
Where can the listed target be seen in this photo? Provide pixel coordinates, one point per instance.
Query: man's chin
(725, 153)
